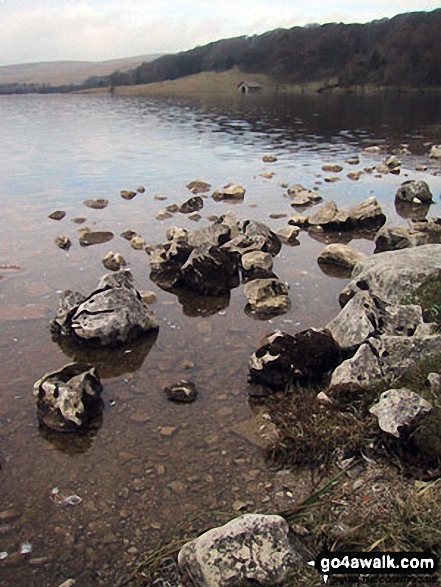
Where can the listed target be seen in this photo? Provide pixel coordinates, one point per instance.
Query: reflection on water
(154, 464)
(109, 362)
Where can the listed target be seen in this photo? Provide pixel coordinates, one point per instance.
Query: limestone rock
(394, 275)
(183, 392)
(178, 234)
(253, 548)
(254, 229)
(398, 237)
(284, 358)
(302, 196)
(114, 261)
(288, 235)
(166, 261)
(435, 152)
(69, 399)
(324, 215)
(366, 214)
(355, 322)
(340, 255)
(267, 296)
(63, 242)
(192, 205)
(137, 243)
(399, 409)
(113, 314)
(409, 190)
(216, 235)
(209, 271)
(257, 264)
(231, 191)
(362, 372)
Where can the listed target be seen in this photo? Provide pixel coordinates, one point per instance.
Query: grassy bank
(226, 82)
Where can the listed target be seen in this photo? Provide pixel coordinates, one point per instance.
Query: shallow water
(151, 464)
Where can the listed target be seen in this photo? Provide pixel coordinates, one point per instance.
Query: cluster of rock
(113, 314)
(377, 336)
(211, 261)
(365, 215)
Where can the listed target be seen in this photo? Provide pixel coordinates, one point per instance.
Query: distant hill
(402, 51)
(60, 73)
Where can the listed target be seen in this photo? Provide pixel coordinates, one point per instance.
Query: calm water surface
(152, 464)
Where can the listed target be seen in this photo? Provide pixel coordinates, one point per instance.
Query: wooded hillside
(402, 51)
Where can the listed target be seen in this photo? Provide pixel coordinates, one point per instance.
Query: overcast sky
(95, 30)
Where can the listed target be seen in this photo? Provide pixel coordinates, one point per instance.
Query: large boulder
(355, 322)
(393, 276)
(284, 358)
(365, 215)
(112, 314)
(209, 271)
(69, 399)
(411, 191)
(267, 296)
(253, 549)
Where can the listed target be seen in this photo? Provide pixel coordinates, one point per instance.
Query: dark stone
(209, 271)
(253, 229)
(57, 215)
(166, 262)
(305, 357)
(95, 237)
(184, 392)
(192, 205)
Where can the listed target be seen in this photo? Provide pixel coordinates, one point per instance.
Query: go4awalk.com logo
(378, 563)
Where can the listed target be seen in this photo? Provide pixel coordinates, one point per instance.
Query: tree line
(401, 51)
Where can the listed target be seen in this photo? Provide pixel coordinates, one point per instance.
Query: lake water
(152, 465)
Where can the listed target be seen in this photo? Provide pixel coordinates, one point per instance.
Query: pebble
(163, 215)
(63, 242)
(159, 197)
(127, 194)
(331, 179)
(172, 208)
(148, 296)
(79, 220)
(38, 562)
(269, 159)
(57, 215)
(97, 204)
(68, 583)
(140, 189)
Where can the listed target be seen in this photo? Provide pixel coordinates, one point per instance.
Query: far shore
(227, 82)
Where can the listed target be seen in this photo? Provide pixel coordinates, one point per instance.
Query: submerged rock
(57, 215)
(184, 392)
(113, 314)
(198, 186)
(63, 242)
(253, 548)
(209, 271)
(96, 237)
(69, 399)
(114, 261)
(128, 194)
(267, 296)
(97, 204)
(399, 410)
